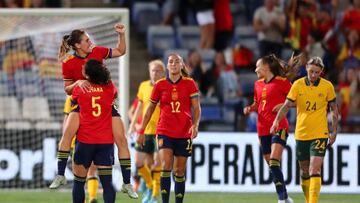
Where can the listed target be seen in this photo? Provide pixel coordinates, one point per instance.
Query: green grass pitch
(47, 196)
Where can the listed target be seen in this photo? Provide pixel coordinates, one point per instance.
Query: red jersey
(175, 106)
(72, 66)
(95, 113)
(268, 95)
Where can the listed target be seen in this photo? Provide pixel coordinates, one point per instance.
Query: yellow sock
(156, 181)
(145, 173)
(92, 186)
(305, 185)
(314, 189)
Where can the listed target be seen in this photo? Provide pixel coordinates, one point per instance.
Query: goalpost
(31, 86)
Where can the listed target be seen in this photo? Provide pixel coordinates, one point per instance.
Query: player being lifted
(72, 66)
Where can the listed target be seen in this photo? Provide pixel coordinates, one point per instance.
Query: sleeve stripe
(196, 94)
(67, 79)
(290, 99)
(153, 101)
(109, 54)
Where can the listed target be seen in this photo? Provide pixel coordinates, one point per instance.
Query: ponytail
(69, 42)
(64, 48)
(282, 68)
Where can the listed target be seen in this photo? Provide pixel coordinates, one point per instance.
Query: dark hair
(69, 41)
(273, 63)
(184, 68)
(282, 68)
(96, 72)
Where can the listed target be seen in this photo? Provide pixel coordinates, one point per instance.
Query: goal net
(31, 86)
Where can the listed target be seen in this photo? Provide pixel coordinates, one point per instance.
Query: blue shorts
(100, 154)
(180, 147)
(266, 141)
(114, 112)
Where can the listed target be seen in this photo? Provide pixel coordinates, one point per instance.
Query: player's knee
(314, 171)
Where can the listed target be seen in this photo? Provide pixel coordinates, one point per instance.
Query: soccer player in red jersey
(72, 67)
(95, 140)
(178, 124)
(270, 92)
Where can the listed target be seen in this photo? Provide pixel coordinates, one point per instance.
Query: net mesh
(32, 94)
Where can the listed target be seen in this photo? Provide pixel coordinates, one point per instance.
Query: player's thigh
(180, 165)
(118, 129)
(265, 146)
(92, 170)
(71, 126)
(104, 155)
(83, 154)
(278, 143)
(166, 158)
(79, 170)
(315, 165)
(140, 158)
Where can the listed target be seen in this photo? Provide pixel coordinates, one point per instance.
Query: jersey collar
(176, 82)
(308, 83)
(80, 57)
(269, 80)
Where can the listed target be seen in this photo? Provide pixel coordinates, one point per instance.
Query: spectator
(224, 26)
(205, 18)
(227, 83)
(269, 23)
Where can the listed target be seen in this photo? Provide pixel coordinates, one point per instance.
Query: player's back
(95, 113)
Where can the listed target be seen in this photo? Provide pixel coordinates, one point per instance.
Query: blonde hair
(157, 62)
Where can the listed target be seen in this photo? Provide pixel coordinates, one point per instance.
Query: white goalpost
(31, 86)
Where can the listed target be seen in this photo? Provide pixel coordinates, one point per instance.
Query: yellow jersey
(144, 94)
(67, 105)
(311, 106)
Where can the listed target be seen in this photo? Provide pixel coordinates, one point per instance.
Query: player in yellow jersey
(311, 95)
(146, 158)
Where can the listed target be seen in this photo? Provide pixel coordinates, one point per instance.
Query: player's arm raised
(121, 46)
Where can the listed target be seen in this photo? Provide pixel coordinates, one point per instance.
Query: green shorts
(307, 148)
(150, 145)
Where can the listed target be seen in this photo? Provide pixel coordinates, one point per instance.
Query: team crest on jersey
(160, 142)
(321, 95)
(174, 95)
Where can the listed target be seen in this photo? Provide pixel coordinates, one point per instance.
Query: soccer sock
(314, 189)
(305, 185)
(105, 175)
(125, 165)
(92, 186)
(145, 173)
(78, 191)
(156, 181)
(165, 183)
(179, 188)
(62, 161)
(278, 179)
